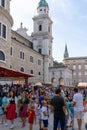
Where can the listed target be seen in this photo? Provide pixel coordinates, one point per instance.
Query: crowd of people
(37, 104)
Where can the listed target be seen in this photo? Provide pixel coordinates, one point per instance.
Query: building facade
(16, 48)
(79, 68)
(60, 76)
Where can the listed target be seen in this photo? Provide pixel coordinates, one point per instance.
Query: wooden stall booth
(10, 74)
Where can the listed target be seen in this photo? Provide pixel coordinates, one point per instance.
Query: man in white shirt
(78, 107)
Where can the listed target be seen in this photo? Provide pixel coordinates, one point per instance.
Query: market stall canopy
(38, 84)
(82, 84)
(48, 84)
(5, 72)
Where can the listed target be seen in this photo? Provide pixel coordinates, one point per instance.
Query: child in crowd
(45, 114)
(31, 117)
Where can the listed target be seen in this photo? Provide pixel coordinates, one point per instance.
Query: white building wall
(58, 73)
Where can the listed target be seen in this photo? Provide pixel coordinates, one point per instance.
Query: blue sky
(69, 23)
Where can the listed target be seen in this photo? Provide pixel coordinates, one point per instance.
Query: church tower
(6, 23)
(66, 55)
(42, 36)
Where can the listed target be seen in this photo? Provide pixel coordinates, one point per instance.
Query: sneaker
(12, 126)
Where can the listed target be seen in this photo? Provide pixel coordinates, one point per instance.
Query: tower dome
(43, 3)
(43, 7)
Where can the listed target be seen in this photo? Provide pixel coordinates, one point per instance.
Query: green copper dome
(43, 3)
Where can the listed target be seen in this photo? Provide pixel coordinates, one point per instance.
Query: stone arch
(53, 80)
(61, 81)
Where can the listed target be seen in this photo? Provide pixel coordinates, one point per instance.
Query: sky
(69, 24)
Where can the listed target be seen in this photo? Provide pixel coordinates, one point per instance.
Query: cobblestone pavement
(36, 127)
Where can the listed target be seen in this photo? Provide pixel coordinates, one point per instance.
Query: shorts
(45, 123)
(78, 115)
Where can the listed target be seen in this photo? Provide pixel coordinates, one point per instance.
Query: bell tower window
(40, 9)
(39, 50)
(40, 27)
(49, 29)
(49, 52)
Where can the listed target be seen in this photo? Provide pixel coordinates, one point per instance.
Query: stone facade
(60, 76)
(20, 44)
(79, 67)
(6, 23)
(16, 50)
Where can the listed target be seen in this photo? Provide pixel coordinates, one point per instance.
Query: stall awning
(82, 84)
(5, 72)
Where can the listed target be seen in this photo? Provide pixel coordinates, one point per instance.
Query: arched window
(31, 72)
(22, 69)
(39, 73)
(40, 27)
(2, 56)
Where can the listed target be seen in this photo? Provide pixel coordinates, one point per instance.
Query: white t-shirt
(44, 109)
(78, 99)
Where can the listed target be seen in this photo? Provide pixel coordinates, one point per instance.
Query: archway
(61, 81)
(53, 80)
